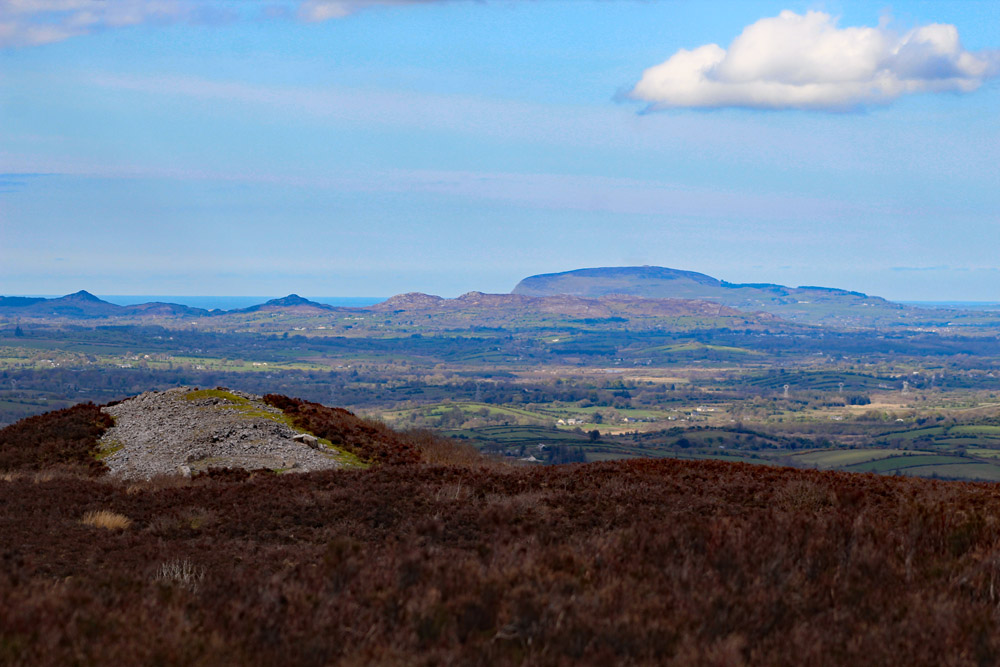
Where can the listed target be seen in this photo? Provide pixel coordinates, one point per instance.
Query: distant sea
(228, 302)
(963, 305)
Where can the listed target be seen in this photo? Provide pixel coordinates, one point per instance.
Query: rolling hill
(84, 305)
(517, 310)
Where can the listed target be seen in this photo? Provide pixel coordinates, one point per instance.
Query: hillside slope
(641, 562)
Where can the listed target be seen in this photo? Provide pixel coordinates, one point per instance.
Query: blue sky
(370, 148)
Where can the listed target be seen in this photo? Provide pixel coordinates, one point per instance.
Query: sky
(374, 147)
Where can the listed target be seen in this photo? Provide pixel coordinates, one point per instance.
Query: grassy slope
(640, 561)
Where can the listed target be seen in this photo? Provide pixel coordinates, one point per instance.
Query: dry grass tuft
(182, 573)
(107, 519)
(44, 476)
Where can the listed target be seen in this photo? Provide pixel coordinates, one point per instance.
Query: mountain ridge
(705, 296)
(84, 305)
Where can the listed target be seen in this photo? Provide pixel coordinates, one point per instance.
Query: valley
(558, 378)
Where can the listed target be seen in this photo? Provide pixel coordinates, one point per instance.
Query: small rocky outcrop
(183, 430)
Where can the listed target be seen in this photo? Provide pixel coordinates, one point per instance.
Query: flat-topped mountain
(805, 303)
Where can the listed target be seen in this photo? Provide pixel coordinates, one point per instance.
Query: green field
(986, 472)
(837, 458)
(893, 463)
(701, 446)
(976, 429)
(949, 437)
(984, 453)
(699, 347)
(518, 435)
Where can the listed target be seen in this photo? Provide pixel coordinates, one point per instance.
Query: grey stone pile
(167, 432)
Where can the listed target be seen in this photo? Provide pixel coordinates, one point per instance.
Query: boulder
(310, 440)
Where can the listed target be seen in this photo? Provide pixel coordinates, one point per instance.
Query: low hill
(84, 305)
(517, 310)
(80, 304)
(19, 301)
(160, 309)
(640, 562)
(185, 431)
(292, 303)
(806, 304)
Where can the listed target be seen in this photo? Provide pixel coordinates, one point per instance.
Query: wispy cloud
(323, 10)
(922, 269)
(35, 22)
(805, 61)
(531, 191)
(368, 107)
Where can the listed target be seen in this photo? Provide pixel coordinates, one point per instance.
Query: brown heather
(65, 439)
(638, 562)
(369, 440)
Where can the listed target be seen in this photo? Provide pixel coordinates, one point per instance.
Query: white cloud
(795, 61)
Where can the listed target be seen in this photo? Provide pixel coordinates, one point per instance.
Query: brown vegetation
(367, 439)
(106, 519)
(631, 562)
(64, 438)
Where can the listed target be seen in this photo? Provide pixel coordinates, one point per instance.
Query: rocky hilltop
(184, 430)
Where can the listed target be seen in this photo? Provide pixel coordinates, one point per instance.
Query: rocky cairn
(185, 430)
